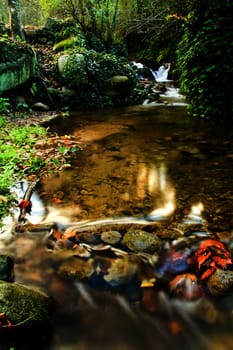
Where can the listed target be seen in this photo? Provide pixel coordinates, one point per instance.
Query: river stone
(111, 237)
(140, 241)
(220, 282)
(24, 305)
(6, 268)
(76, 268)
(121, 271)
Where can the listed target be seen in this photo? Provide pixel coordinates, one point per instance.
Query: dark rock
(220, 282)
(6, 268)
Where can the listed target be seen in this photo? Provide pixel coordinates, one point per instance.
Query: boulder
(23, 305)
(72, 68)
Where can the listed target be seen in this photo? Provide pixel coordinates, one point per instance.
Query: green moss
(23, 304)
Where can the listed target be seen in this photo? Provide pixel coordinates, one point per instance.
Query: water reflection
(153, 180)
(143, 162)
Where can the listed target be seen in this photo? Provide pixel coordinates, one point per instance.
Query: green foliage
(91, 76)
(26, 151)
(94, 42)
(68, 44)
(4, 105)
(204, 60)
(16, 156)
(119, 48)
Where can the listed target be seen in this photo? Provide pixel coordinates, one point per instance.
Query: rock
(72, 69)
(75, 268)
(6, 268)
(118, 84)
(39, 106)
(122, 270)
(111, 237)
(140, 241)
(62, 97)
(24, 305)
(220, 282)
(65, 44)
(15, 73)
(62, 61)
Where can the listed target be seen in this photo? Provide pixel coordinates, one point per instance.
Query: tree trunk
(15, 19)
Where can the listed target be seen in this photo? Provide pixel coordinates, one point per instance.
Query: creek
(145, 163)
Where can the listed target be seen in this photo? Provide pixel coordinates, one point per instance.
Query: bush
(91, 77)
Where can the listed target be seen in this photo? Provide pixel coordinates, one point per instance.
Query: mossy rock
(141, 241)
(24, 305)
(65, 44)
(72, 69)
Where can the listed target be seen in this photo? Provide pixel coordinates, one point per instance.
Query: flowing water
(139, 163)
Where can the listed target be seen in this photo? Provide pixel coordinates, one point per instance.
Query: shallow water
(149, 162)
(141, 159)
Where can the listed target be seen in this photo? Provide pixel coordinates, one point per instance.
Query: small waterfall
(162, 73)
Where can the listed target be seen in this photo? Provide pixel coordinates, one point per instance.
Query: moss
(23, 304)
(17, 65)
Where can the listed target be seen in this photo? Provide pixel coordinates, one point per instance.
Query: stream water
(143, 162)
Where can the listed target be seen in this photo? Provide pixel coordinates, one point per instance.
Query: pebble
(111, 237)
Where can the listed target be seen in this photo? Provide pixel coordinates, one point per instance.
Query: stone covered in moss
(140, 241)
(24, 305)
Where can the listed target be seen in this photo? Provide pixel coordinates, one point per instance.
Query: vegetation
(204, 59)
(28, 151)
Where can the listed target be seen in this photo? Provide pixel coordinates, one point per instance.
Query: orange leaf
(175, 327)
(57, 234)
(68, 235)
(57, 200)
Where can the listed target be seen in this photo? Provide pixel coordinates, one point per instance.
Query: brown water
(141, 161)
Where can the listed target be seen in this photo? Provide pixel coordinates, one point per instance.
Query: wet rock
(76, 268)
(201, 308)
(6, 268)
(140, 241)
(24, 305)
(121, 271)
(185, 286)
(220, 282)
(111, 237)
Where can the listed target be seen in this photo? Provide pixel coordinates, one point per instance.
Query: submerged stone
(140, 241)
(220, 282)
(111, 237)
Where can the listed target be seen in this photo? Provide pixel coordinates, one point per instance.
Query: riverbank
(29, 150)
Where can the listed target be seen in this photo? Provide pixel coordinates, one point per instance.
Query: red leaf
(25, 204)
(211, 243)
(202, 258)
(209, 271)
(222, 262)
